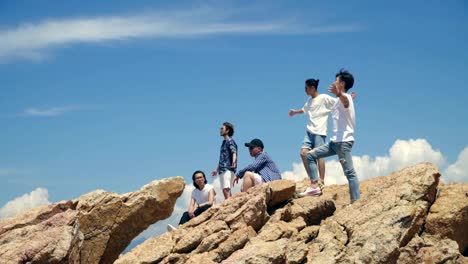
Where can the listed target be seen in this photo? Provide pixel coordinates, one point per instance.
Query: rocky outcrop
(261, 215)
(398, 219)
(446, 229)
(405, 217)
(94, 228)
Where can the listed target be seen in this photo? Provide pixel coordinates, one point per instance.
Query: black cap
(254, 143)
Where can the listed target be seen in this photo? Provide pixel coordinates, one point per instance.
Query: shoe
(321, 185)
(170, 228)
(311, 192)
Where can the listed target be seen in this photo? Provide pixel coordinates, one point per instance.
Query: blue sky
(113, 95)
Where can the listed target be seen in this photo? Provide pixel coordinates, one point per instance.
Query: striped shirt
(264, 166)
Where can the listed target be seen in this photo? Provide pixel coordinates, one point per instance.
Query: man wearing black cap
(263, 169)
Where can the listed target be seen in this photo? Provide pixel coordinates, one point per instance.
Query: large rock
(268, 224)
(429, 249)
(94, 228)
(219, 232)
(405, 217)
(386, 218)
(445, 237)
(448, 217)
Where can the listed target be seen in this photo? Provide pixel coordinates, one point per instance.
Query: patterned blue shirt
(264, 166)
(228, 148)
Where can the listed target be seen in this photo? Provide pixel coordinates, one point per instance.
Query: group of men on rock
(314, 149)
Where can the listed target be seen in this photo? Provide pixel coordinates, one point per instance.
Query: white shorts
(225, 179)
(258, 179)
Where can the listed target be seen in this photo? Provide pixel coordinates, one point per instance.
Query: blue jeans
(343, 150)
(312, 140)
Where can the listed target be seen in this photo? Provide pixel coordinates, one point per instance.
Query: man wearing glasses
(263, 169)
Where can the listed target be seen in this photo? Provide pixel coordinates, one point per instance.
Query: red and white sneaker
(311, 192)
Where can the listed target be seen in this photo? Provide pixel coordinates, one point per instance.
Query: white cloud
(33, 40)
(39, 196)
(458, 172)
(403, 153)
(49, 112)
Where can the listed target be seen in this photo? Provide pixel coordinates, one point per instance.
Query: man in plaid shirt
(263, 169)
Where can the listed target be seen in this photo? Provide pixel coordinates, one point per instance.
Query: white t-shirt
(201, 196)
(343, 121)
(317, 109)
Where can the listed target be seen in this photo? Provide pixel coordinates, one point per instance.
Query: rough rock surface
(94, 228)
(405, 217)
(399, 219)
(226, 228)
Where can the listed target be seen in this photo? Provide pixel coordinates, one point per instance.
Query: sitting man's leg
(202, 209)
(184, 219)
(250, 180)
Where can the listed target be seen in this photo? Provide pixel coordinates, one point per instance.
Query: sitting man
(203, 197)
(263, 169)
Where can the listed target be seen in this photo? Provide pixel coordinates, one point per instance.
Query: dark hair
(312, 82)
(347, 78)
(229, 127)
(193, 178)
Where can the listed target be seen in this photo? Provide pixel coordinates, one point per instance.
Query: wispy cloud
(33, 40)
(50, 112)
(8, 171)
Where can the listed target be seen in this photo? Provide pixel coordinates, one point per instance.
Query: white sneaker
(311, 192)
(170, 228)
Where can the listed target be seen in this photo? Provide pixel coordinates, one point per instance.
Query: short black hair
(193, 178)
(229, 127)
(347, 78)
(312, 82)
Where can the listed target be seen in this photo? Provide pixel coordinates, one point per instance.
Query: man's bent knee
(311, 155)
(303, 152)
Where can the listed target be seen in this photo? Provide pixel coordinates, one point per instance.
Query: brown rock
(429, 249)
(261, 252)
(192, 239)
(389, 224)
(312, 209)
(280, 191)
(235, 242)
(152, 251)
(94, 228)
(385, 219)
(252, 213)
(296, 252)
(448, 217)
(212, 241)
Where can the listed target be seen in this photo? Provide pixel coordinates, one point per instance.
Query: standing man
(342, 139)
(227, 159)
(317, 108)
(263, 169)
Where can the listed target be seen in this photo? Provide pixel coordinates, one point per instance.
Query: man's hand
(292, 112)
(333, 89)
(191, 214)
(235, 180)
(214, 173)
(353, 95)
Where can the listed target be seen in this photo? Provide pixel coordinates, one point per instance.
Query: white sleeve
(330, 101)
(304, 106)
